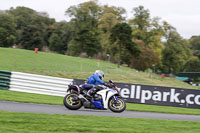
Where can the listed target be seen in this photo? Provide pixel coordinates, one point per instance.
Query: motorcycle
(106, 97)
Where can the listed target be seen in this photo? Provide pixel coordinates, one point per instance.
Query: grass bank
(80, 68)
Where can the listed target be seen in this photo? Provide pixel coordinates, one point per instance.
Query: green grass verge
(6, 95)
(43, 123)
(45, 99)
(80, 68)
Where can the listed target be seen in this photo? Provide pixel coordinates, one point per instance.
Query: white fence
(32, 83)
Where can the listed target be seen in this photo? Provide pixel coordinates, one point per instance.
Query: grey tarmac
(58, 109)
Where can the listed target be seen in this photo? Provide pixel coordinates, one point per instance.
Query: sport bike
(106, 97)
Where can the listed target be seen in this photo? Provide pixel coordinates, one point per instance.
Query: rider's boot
(88, 96)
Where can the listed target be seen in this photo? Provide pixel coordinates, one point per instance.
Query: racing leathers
(94, 80)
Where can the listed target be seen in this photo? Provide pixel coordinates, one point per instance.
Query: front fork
(115, 99)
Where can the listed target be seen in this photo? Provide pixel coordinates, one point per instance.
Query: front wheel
(72, 102)
(117, 105)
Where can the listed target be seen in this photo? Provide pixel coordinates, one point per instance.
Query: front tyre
(117, 106)
(72, 102)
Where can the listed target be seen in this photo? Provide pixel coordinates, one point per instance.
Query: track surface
(57, 109)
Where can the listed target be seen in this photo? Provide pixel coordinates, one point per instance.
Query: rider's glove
(108, 85)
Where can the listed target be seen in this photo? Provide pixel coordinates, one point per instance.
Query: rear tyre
(72, 102)
(117, 106)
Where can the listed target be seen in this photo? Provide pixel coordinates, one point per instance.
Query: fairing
(106, 95)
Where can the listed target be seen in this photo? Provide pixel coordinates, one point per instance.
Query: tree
(150, 31)
(43, 23)
(175, 54)
(142, 19)
(195, 45)
(64, 32)
(22, 16)
(26, 19)
(56, 44)
(7, 30)
(86, 33)
(146, 59)
(193, 65)
(59, 35)
(32, 38)
(121, 35)
(109, 17)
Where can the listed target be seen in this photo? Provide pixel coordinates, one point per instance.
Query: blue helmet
(100, 73)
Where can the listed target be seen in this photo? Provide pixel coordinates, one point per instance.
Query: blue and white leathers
(95, 80)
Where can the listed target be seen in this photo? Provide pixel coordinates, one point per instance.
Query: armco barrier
(32, 83)
(4, 79)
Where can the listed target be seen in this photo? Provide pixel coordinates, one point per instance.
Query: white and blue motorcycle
(106, 97)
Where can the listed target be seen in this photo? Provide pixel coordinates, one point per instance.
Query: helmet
(100, 73)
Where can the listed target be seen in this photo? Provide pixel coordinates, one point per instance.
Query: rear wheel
(72, 102)
(117, 106)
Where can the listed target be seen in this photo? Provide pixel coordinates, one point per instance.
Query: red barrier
(36, 50)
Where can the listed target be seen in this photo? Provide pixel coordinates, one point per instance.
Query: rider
(95, 79)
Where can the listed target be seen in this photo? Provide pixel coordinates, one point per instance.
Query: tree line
(102, 31)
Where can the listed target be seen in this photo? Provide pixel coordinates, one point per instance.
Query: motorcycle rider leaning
(94, 80)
